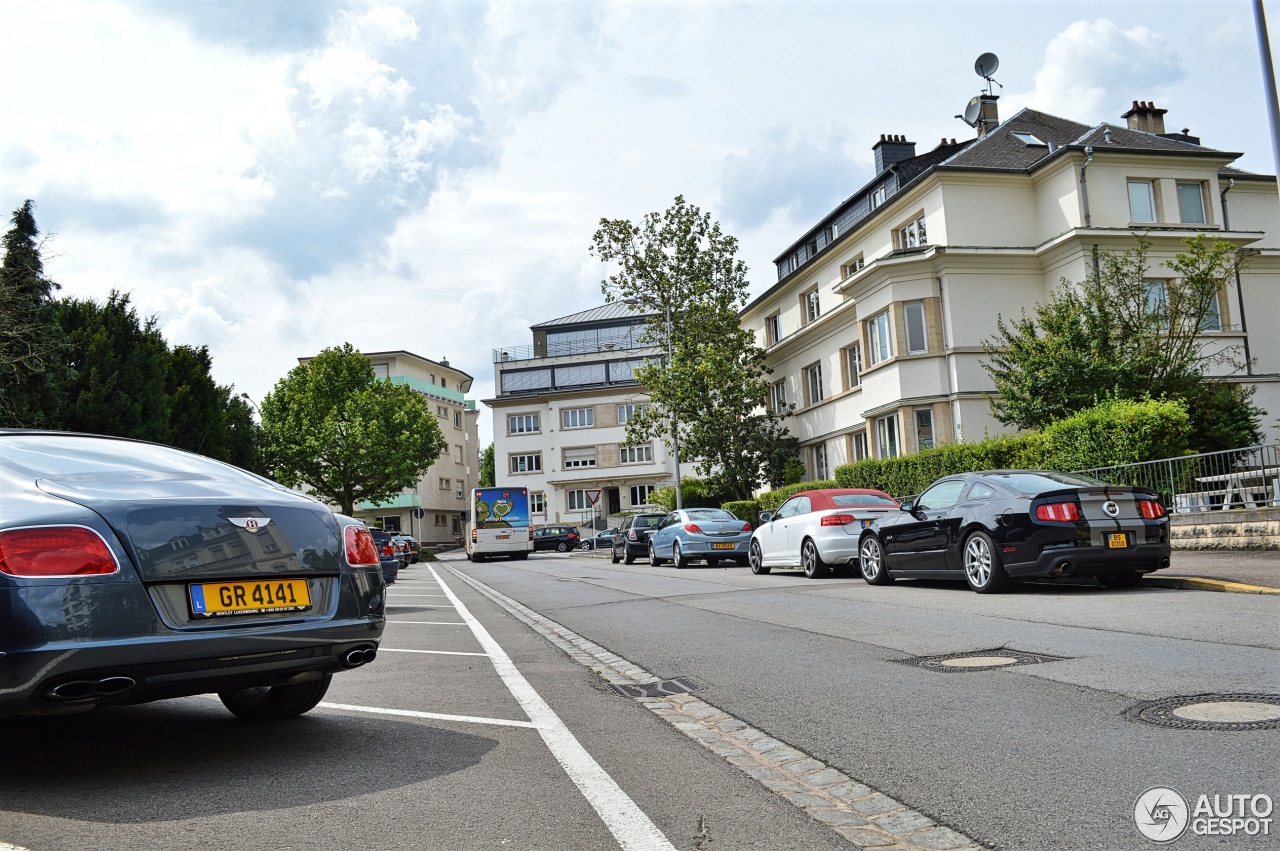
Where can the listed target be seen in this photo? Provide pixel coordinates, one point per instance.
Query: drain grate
(1210, 712)
(678, 685)
(979, 660)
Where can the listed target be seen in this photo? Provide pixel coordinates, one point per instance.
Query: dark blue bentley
(132, 572)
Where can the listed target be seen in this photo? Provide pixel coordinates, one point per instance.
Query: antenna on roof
(987, 65)
(981, 111)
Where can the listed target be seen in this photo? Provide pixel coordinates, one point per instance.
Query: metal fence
(1236, 478)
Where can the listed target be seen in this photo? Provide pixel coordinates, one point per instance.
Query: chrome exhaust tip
(354, 658)
(111, 686)
(370, 655)
(73, 690)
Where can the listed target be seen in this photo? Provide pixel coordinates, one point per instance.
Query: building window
(380, 371)
(1191, 203)
(877, 197)
(924, 429)
(524, 424)
(912, 234)
(641, 454)
(445, 484)
(852, 267)
(537, 502)
(517, 381)
(914, 313)
(772, 329)
(457, 419)
(1212, 319)
(830, 232)
(581, 457)
(793, 262)
(441, 520)
(456, 524)
(819, 455)
(442, 412)
(879, 340)
(860, 452)
(531, 463)
(580, 375)
(457, 454)
(853, 364)
(640, 494)
(813, 384)
(812, 248)
(389, 523)
(626, 412)
(809, 307)
(578, 500)
(1142, 201)
(778, 396)
(577, 417)
(1157, 302)
(887, 436)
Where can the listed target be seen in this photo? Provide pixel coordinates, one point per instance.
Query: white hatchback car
(816, 530)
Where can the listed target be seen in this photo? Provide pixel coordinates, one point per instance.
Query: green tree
(487, 471)
(119, 370)
(715, 385)
(242, 440)
(31, 343)
(197, 405)
(332, 427)
(1121, 335)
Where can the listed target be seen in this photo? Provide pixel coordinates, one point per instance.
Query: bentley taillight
(361, 548)
(55, 551)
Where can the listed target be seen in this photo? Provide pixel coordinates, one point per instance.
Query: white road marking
(433, 623)
(431, 716)
(418, 595)
(634, 830)
(434, 652)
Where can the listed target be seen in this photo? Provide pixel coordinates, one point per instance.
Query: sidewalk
(1247, 567)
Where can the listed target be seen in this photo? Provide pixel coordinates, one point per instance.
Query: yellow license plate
(1117, 541)
(219, 599)
(503, 537)
(722, 546)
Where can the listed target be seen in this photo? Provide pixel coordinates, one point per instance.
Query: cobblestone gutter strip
(863, 816)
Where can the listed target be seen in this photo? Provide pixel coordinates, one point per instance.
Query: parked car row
(988, 529)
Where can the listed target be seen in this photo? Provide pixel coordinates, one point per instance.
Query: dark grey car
(132, 572)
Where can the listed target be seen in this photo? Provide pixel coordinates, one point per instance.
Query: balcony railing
(561, 349)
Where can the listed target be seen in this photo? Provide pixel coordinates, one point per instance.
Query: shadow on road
(190, 758)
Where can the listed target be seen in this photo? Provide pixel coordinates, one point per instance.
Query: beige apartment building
(435, 511)
(875, 327)
(560, 417)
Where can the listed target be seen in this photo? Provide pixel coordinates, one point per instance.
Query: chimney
(1146, 117)
(988, 115)
(891, 150)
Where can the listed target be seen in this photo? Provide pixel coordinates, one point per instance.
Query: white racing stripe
(432, 716)
(634, 830)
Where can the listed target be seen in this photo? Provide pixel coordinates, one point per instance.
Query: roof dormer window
(1029, 139)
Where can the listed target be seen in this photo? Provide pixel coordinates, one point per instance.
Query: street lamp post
(675, 422)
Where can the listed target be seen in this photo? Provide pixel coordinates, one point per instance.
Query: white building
(560, 418)
(875, 327)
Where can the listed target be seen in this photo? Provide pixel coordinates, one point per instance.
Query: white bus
(500, 524)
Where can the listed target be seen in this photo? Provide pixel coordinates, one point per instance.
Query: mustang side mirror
(766, 516)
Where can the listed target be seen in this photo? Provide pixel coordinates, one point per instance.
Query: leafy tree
(119, 376)
(31, 342)
(716, 382)
(332, 427)
(242, 439)
(487, 471)
(197, 405)
(1119, 335)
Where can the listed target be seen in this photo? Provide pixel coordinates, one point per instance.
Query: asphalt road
(504, 741)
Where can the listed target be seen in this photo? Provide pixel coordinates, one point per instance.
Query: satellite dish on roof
(971, 112)
(986, 65)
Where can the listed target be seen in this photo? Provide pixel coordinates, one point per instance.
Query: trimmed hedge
(1114, 432)
(694, 493)
(744, 509)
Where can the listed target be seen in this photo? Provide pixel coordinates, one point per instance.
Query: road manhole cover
(1211, 712)
(979, 660)
(678, 685)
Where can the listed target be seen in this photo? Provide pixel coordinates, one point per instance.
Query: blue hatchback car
(712, 535)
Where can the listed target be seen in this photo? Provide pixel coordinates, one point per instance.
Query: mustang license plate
(722, 546)
(1117, 541)
(219, 599)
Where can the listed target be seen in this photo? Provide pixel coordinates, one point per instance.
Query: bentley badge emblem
(250, 524)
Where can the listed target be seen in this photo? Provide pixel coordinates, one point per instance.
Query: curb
(1199, 583)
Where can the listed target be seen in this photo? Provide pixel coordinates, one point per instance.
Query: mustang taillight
(55, 551)
(693, 527)
(361, 548)
(1061, 512)
(837, 519)
(1150, 509)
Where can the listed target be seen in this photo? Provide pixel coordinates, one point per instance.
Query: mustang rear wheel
(871, 562)
(274, 703)
(756, 559)
(982, 567)
(811, 560)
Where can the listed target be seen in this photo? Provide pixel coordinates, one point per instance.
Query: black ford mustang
(131, 572)
(992, 527)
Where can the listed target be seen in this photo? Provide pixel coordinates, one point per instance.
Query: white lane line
(398, 595)
(431, 716)
(431, 652)
(437, 623)
(626, 821)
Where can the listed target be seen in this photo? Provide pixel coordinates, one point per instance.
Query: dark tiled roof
(613, 311)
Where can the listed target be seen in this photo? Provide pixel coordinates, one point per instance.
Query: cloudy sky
(273, 177)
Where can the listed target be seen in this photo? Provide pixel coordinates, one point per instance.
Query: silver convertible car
(132, 572)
